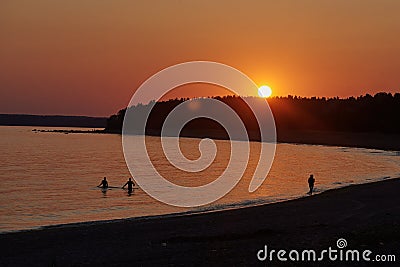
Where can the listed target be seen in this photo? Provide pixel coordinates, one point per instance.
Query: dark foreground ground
(367, 216)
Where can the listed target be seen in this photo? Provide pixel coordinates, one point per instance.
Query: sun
(264, 91)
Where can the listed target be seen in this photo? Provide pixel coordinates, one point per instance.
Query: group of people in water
(104, 184)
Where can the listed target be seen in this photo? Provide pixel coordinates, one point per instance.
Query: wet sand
(367, 216)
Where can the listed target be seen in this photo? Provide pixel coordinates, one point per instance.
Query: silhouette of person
(103, 184)
(130, 184)
(311, 182)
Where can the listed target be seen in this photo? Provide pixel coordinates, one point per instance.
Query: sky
(88, 57)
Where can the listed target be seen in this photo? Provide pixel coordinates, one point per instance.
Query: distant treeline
(52, 121)
(368, 114)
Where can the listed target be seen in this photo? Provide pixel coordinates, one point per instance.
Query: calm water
(51, 178)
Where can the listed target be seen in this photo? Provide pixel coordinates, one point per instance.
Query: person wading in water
(311, 182)
(103, 184)
(130, 185)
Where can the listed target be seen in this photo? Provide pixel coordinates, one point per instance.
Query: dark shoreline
(380, 141)
(367, 216)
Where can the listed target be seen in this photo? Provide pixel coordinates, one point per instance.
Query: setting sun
(264, 91)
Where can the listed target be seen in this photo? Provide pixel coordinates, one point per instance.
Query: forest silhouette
(294, 117)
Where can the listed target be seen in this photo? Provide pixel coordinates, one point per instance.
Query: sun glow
(264, 91)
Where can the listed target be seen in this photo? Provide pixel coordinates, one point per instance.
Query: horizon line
(191, 98)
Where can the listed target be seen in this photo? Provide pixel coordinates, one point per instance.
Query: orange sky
(87, 57)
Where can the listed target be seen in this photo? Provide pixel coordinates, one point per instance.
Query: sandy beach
(367, 216)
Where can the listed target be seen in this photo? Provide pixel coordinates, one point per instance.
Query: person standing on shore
(130, 184)
(103, 184)
(311, 182)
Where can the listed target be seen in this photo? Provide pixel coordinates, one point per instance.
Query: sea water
(50, 178)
